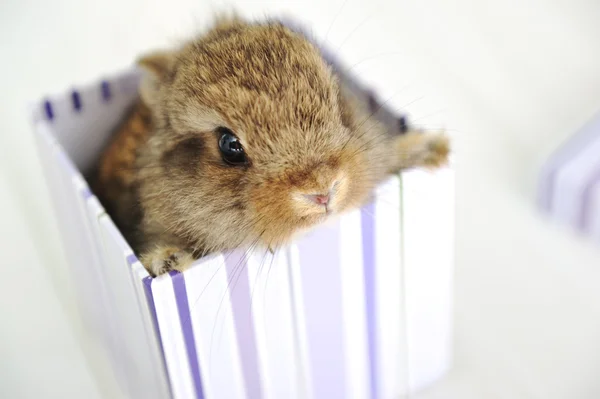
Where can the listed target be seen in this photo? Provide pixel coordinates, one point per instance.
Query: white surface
(393, 346)
(353, 297)
(512, 79)
(428, 201)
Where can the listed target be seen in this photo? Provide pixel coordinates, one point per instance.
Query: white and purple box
(360, 308)
(569, 186)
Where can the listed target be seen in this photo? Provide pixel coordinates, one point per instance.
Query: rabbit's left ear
(158, 63)
(157, 66)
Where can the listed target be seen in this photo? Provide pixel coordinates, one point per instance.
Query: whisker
(387, 53)
(369, 117)
(441, 128)
(351, 33)
(226, 258)
(408, 104)
(368, 213)
(265, 292)
(239, 275)
(439, 111)
(258, 272)
(236, 274)
(385, 132)
(269, 271)
(334, 19)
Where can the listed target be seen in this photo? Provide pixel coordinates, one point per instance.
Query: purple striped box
(569, 185)
(359, 308)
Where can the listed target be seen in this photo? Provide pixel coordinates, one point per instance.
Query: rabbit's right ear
(158, 67)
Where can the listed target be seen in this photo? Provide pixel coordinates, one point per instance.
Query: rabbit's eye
(231, 148)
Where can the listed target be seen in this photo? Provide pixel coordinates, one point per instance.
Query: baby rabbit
(247, 136)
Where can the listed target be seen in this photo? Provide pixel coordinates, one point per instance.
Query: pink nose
(319, 199)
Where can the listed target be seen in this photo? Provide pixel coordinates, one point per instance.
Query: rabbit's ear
(157, 67)
(158, 63)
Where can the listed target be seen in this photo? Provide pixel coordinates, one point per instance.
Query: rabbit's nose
(319, 199)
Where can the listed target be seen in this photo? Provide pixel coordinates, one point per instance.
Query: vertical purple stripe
(150, 298)
(368, 243)
(131, 259)
(586, 199)
(239, 292)
(48, 110)
(76, 99)
(323, 312)
(105, 89)
(183, 308)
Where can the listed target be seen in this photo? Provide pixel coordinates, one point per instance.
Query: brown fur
(115, 182)
(303, 132)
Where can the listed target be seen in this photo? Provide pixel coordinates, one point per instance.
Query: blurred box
(569, 185)
(360, 308)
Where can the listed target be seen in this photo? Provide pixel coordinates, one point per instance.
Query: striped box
(359, 308)
(569, 186)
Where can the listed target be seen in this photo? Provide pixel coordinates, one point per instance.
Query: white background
(511, 79)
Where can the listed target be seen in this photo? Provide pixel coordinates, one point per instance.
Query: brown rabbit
(247, 136)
